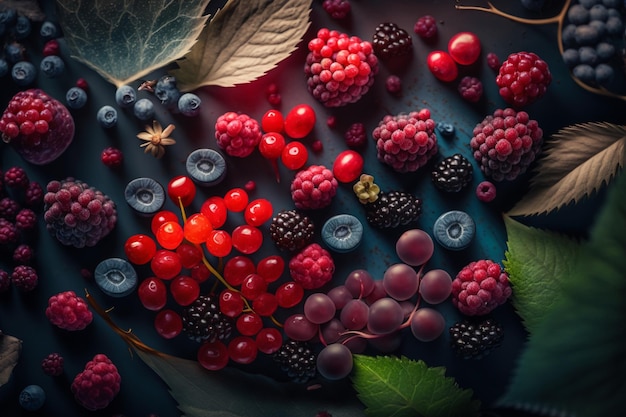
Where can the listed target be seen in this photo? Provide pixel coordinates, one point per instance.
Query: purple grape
(332, 330)
(340, 296)
(385, 316)
(360, 283)
(334, 361)
(435, 286)
(319, 308)
(415, 247)
(354, 315)
(400, 281)
(298, 327)
(427, 324)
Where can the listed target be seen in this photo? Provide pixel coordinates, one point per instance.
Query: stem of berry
(494, 10)
(274, 163)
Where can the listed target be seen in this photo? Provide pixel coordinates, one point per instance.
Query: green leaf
(577, 162)
(124, 40)
(576, 358)
(401, 387)
(244, 41)
(537, 261)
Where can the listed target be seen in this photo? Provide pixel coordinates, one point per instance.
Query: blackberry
(471, 89)
(24, 278)
(475, 339)
(8, 208)
(33, 196)
(25, 219)
(8, 232)
(291, 230)
(297, 360)
(23, 254)
(426, 27)
(392, 209)
(355, 136)
(52, 364)
(390, 40)
(203, 320)
(16, 177)
(453, 173)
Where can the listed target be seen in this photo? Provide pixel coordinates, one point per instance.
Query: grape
(400, 281)
(332, 330)
(360, 283)
(334, 361)
(385, 316)
(298, 327)
(387, 343)
(407, 308)
(435, 286)
(340, 296)
(427, 324)
(319, 308)
(377, 293)
(354, 315)
(415, 247)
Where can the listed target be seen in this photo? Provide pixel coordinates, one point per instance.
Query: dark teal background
(143, 392)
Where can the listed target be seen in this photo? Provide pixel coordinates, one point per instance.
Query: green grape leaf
(10, 349)
(537, 261)
(243, 42)
(126, 40)
(577, 161)
(400, 387)
(576, 358)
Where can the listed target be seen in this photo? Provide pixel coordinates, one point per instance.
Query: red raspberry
(68, 311)
(340, 69)
(26, 219)
(112, 157)
(33, 196)
(8, 232)
(24, 278)
(52, 364)
(313, 187)
(8, 208)
(471, 89)
(355, 136)
(406, 141)
(98, 384)
(5, 281)
(506, 143)
(237, 134)
(480, 287)
(426, 27)
(23, 254)
(51, 48)
(393, 83)
(337, 9)
(523, 78)
(493, 61)
(486, 191)
(312, 267)
(16, 177)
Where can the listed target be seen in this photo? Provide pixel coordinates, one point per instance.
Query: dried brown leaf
(28, 8)
(577, 162)
(243, 42)
(10, 348)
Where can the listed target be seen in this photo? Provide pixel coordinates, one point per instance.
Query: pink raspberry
(340, 69)
(337, 9)
(486, 191)
(26, 219)
(480, 287)
(25, 278)
(16, 177)
(313, 187)
(406, 142)
(23, 254)
(426, 27)
(493, 61)
(471, 89)
(8, 208)
(112, 157)
(8, 232)
(312, 267)
(355, 136)
(237, 134)
(68, 311)
(52, 364)
(33, 196)
(98, 384)
(523, 78)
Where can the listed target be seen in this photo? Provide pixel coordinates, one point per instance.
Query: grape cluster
(593, 38)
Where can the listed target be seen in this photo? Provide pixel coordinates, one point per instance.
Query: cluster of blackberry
(20, 200)
(474, 339)
(297, 360)
(291, 230)
(204, 321)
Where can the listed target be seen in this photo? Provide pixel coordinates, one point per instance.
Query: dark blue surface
(22, 315)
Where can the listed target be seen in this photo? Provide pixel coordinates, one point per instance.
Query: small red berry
(112, 157)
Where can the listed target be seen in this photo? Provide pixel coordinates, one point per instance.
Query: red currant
(152, 293)
(258, 212)
(252, 286)
(265, 304)
(231, 303)
(213, 355)
(236, 199)
(219, 243)
(289, 294)
(271, 267)
(442, 66)
(185, 290)
(294, 155)
(272, 121)
(247, 239)
(242, 349)
(140, 249)
(300, 121)
(161, 217)
(181, 190)
(271, 145)
(269, 340)
(250, 186)
(197, 228)
(200, 273)
(166, 264)
(170, 235)
(464, 48)
(348, 166)
(237, 268)
(168, 323)
(215, 209)
(190, 255)
(249, 324)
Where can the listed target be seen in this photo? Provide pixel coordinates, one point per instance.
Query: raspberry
(68, 311)
(486, 191)
(406, 141)
(453, 173)
(493, 61)
(291, 230)
(237, 134)
(297, 359)
(337, 9)
(26, 219)
(8, 232)
(98, 384)
(33, 196)
(340, 69)
(16, 177)
(23, 254)
(506, 143)
(24, 278)
(355, 136)
(523, 78)
(475, 339)
(393, 84)
(392, 209)
(313, 188)
(112, 157)
(471, 89)
(51, 48)
(480, 287)
(426, 27)
(312, 267)
(5, 281)
(390, 40)
(8, 208)
(52, 364)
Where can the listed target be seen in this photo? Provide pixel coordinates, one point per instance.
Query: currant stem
(494, 10)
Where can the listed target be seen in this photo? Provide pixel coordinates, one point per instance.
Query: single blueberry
(446, 129)
(23, 73)
(125, 96)
(342, 233)
(587, 55)
(604, 74)
(167, 91)
(23, 27)
(145, 195)
(8, 16)
(614, 26)
(116, 277)
(605, 51)
(14, 52)
(76, 98)
(107, 116)
(143, 109)
(578, 15)
(52, 66)
(32, 398)
(586, 35)
(48, 30)
(189, 104)
(454, 230)
(598, 12)
(206, 166)
(4, 67)
(599, 26)
(584, 73)
(569, 35)
(570, 57)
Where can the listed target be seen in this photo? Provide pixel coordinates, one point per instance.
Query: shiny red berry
(442, 66)
(249, 324)
(236, 199)
(170, 234)
(168, 323)
(464, 48)
(197, 228)
(272, 121)
(152, 293)
(348, 166)
(231, 303)
(215, 209)
(181, 189)
(213, 355)
(140, 249)
(269, 340)
(237, 268)
(289, 294)
(271, 268)
(300, 121)
(185, 290)
(166, 264)
(161, 217)
(258, 212)
(294, 155)
(219, 243)
(247, 239)
(242, 349)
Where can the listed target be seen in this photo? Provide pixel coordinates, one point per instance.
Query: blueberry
(143, 109)
(446, 129)
(4, 67)
(52, 66)
(145, 195)
(605, 51)
(614, 25)
(588, 4)
(76, 98)
(107, 116)
(588, 55)
(534, 5)
(604, 74)
(584, 73)
(116, 277)
(578, 15)
(167, 92)
(14, 52)
(125, 96)
(32, 398)
(454, 230)
(342, 233)
(599, 26)
(23, 73)
(8, 16)
(206, 166)
(23, 27)
(586, 35)
(189, 104)
(570, 57)
(48, 30)
(568, 35)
